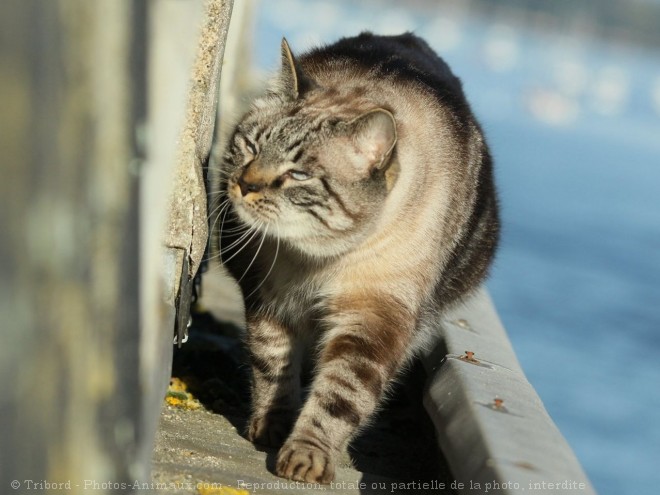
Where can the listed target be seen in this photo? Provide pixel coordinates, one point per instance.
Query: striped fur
(358, 204)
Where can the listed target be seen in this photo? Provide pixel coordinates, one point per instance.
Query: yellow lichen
(178, 396)
(177, 385)
(212, 489)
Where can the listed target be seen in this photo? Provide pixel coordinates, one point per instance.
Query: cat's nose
(248, 187)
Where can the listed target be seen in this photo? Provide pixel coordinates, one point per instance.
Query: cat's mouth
(253, 208)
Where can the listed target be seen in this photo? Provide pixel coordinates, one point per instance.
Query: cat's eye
(251, 147)
(298, 175)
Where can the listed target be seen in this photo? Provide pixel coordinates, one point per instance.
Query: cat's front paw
(270, 430)
(299, 460)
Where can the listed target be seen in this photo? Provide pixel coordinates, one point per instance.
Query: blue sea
(574, 125)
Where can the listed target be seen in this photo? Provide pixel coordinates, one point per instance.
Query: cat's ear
(294, 82)
(374, 137)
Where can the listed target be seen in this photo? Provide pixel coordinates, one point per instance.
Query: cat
(357, 203)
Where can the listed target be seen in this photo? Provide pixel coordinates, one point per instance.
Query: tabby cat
(358, 204)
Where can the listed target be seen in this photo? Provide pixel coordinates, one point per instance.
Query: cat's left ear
(294, 82)
(374, 136)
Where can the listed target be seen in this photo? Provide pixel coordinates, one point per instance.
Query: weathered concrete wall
(170, 60)
(109, 109)
(187, 41)
(187, 225)
(73, 94)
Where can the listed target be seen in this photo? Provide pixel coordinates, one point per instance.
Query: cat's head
(311, 172)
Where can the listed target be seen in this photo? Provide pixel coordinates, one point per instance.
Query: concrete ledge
(491, 425)
(200, 449)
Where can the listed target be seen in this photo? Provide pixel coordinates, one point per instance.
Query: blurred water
(574, 125)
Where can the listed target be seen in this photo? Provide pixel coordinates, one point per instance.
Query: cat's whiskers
(236, 230)
(243, 236)
(256, 254)
(212, 231)
(272, 265)
(219, 165)
(222, 231)
(223, 212)
(223, 175)
(255, 231)
(223, 204)
(224, 215)
(214, 194)
(250, 232)
(242, 230)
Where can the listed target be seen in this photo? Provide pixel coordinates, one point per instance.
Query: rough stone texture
(175, 76)
(187, 226)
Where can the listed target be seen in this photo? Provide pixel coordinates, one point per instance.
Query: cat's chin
(312, 246)
(319, 249)
(246, 217)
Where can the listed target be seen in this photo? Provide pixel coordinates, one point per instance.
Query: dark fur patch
(337, 380)
(317, 424)
(261, 364)
(347, 345)
(333, 194)
(339, 408)
(369, 377)
(384, 324)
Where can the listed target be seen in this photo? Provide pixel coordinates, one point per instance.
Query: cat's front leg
(365, 348)
(275, 362)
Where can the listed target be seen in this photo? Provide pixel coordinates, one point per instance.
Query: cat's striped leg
(364, 350)
(275, 364)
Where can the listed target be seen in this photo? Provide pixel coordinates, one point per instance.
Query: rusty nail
(469, 356)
